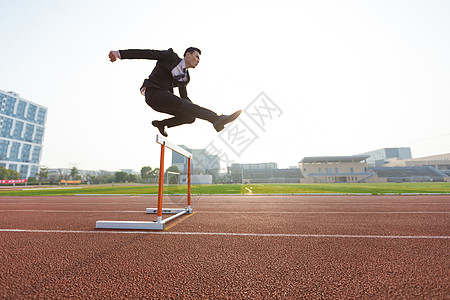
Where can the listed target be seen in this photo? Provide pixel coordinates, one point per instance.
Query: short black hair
(192, 50)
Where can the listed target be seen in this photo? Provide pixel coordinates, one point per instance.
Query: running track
(238, 247)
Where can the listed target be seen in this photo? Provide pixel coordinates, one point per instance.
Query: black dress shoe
(160, 126)
(220, 123)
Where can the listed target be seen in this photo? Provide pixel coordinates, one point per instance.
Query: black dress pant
(183, 110)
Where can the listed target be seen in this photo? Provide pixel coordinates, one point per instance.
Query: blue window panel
(14, 154)
(3, 100)
(35, 155)
(18, 128)
(23, 171)
(21, 109)
(178, 158)
(3, 149)
(31, 113)
(6, 127)
(33, 171)
(26, 151)
(39, 135)
(41, 116)
(9, 127)
(28, 136)
(9, 107)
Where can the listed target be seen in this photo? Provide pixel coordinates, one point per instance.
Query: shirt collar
(183, 64)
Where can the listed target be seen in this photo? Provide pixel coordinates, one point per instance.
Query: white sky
(348, 76)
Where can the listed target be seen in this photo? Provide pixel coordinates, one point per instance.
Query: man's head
(192, 57)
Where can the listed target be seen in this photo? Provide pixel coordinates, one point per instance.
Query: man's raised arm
(140, 54)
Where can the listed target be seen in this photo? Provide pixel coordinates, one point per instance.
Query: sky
(314, 78)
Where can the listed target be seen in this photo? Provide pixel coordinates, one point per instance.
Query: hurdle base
(129, 225)
(144, 225)
(188, 210)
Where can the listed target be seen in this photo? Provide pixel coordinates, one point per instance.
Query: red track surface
(285, 247)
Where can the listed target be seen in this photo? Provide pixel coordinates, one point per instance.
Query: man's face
(192, 60)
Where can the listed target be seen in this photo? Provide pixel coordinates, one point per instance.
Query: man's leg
(178, 120)
(183, 110)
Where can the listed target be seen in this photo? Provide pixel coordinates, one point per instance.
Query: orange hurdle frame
(160, 223)
(159, 211)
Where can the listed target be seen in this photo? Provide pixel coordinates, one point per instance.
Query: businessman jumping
(171, 71)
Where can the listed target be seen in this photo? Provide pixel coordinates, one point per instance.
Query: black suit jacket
(161, 77)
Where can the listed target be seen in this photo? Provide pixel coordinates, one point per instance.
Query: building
(130, 171)
(429, 168)
(439, 162)
(411, 174)
(58, 174)
(263, 173)
(202, 163)
(337, 169)
(22, 127)
(379, 157)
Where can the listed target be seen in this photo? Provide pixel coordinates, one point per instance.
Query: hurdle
(177, 212)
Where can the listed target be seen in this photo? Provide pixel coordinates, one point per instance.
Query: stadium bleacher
(409, 174)
(272, 175)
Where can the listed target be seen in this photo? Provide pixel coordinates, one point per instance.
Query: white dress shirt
(179, 73)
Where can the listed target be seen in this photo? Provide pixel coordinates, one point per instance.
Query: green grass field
(345, 188)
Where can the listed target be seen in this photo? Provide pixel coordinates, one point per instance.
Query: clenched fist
(113, 55)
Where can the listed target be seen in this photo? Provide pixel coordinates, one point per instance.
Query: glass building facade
(379, 157)
(22, 127)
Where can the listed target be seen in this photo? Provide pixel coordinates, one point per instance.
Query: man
(171, 71)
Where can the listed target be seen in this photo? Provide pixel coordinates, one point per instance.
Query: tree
(14, 174)
(32, 179)
(3, 173)
(172, 179)
(103, 176)
(62, 174)
(120, 176)
(43, 174)
(155, 174)
(6, 174)
(146, 173)
(74, 173)
(132, 178)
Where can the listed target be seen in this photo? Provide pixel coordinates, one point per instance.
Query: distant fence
(13, 181)
(70, 181)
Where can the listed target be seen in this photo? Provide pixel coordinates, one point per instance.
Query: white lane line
(73, 203)
(231, 234)
(229, 212)
(322, 212)
(379, 194)
(59, 188)
(323, 203)
(225, 203)
(72, 211)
